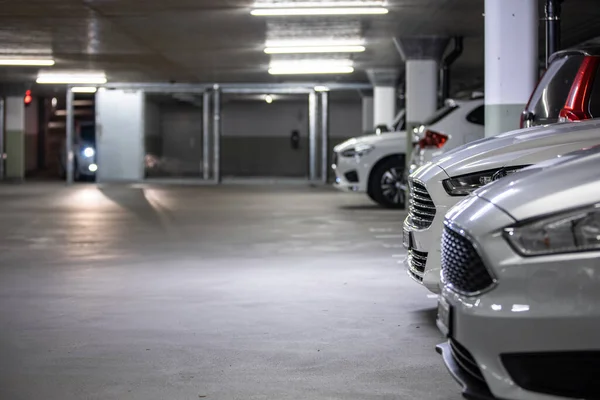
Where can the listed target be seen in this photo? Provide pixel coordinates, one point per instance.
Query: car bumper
(351, 174)
(526, 335)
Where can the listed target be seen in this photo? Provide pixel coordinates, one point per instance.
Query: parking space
(230, 292)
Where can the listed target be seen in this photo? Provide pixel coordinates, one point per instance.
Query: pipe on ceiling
(447, 63)
(553, 11)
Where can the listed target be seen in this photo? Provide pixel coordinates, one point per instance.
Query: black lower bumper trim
(473, 389)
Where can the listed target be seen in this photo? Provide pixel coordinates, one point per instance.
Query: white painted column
(421, 89)
(14, 145)
(384, 105)
(511, 61)
(367, 114)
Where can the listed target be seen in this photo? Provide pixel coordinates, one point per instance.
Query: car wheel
(387, 185)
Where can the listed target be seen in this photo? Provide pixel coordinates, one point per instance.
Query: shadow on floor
(135, 201)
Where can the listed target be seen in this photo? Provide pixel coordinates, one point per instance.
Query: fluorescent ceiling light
(313, 4)
(314, 49)
(265, 12)
(36, 62)
(84, 89)
(74, 77)
(321, 89)
(311, 67)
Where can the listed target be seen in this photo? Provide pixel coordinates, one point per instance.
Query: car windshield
(439, 114)
(88, 133)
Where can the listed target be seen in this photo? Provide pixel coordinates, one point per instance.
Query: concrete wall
(256, 136)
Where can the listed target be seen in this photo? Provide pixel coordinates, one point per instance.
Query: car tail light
(576, 107)
(433, 139)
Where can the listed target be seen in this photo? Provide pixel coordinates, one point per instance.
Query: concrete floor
(233, 292)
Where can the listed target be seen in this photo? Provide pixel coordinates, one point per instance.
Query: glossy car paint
(517, 148)
(538, 304)
(458, 129)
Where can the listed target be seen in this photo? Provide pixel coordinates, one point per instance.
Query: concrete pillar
(15, 137)
(511, 61)
(385, 82)
(422, 55)
(384, 105)
(367, 113)
(421, 89)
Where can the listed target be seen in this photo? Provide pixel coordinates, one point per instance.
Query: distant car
(457, 123)
(520, 305)
(374, 164)
(84, 153)
(439, 185)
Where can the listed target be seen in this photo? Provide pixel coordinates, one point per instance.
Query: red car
(571, 75)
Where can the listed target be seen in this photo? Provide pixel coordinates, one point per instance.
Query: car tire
(387, 185)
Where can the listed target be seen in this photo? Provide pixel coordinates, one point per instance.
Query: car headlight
(357, 151)
(574, 231)
(89, 152)
(465, 184)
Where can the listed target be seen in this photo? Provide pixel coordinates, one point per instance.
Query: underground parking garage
(286, 199)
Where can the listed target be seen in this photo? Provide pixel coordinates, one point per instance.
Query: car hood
(520, 147)
(383, 138)
(559, 184)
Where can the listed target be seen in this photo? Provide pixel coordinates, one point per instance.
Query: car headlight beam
(574, 231)
(466, 184)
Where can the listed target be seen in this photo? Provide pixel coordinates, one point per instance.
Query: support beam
(216, 134)
(511, 61)
(313, 110)
(206, 135)
(324, 136)
(70, 137)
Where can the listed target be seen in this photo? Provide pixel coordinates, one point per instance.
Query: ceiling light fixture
(71, 77)
(311, 67)
(24, 62)
(269, 99)
(270, 12)
(321, 89)
(84, 89)
(299, 4)
(314, 49)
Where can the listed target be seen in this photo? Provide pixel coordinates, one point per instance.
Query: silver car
(521, 271)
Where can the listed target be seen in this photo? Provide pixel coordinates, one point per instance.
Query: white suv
(457, 123)
(374, 164)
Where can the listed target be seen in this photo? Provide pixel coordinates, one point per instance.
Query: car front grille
(421, 209)
(416, 264)
(465, 360)
(462, 267)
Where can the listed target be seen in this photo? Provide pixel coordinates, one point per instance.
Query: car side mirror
(527, 118)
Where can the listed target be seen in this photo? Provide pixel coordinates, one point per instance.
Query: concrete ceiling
(219, 41)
